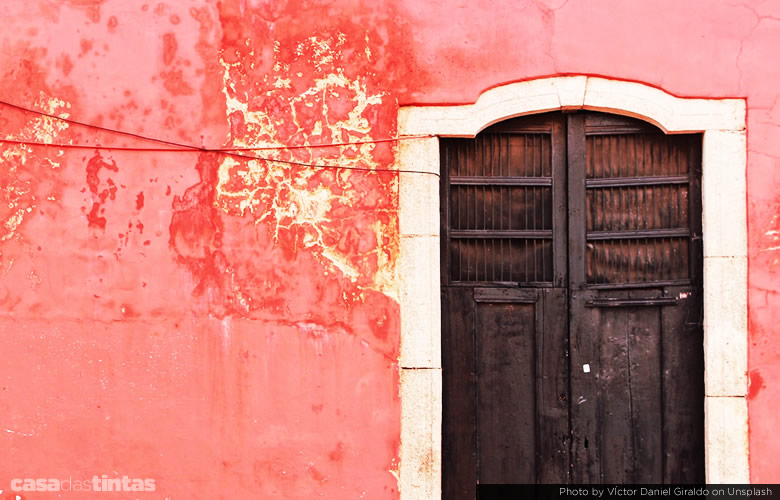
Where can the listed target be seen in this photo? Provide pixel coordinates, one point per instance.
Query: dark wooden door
(571, 301)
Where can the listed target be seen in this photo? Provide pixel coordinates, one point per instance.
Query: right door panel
(635, 297)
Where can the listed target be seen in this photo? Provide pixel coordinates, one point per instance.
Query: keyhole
(586, 443)
(562, 397)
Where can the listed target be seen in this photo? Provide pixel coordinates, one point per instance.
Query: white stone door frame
(724, 152)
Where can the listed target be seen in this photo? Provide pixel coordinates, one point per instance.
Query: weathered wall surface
(226, 324)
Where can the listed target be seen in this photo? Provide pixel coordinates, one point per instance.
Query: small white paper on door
(586, 368)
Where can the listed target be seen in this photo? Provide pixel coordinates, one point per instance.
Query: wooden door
(571, 301)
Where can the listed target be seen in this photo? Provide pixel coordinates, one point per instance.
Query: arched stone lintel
(670, 113)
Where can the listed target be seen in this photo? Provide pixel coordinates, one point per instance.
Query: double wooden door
(571, 304)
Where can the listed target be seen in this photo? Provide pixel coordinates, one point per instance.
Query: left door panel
(506, 397)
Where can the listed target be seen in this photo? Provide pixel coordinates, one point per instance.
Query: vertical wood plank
(613, 381)
(559, 203)
(552, 378)
(683, 385)
(459, 440)
(646, 384)
(576, 160)
(447, 158)
(584, 341)
(696, 250)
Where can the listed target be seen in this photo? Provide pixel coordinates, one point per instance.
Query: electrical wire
(188, 148)
(220, 151)
(93, 126)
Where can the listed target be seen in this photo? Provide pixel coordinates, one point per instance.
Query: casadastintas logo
(97, 484)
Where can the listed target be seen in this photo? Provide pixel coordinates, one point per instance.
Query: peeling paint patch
(196, 231)
(101, 191)
(23, 167)
(771, 240)
(755, 383)
(90, 7)
(169, 48)
(346, 218)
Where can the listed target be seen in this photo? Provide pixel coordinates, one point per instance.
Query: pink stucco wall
(231, 326)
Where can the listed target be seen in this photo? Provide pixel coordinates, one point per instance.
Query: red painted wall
(228, 325)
